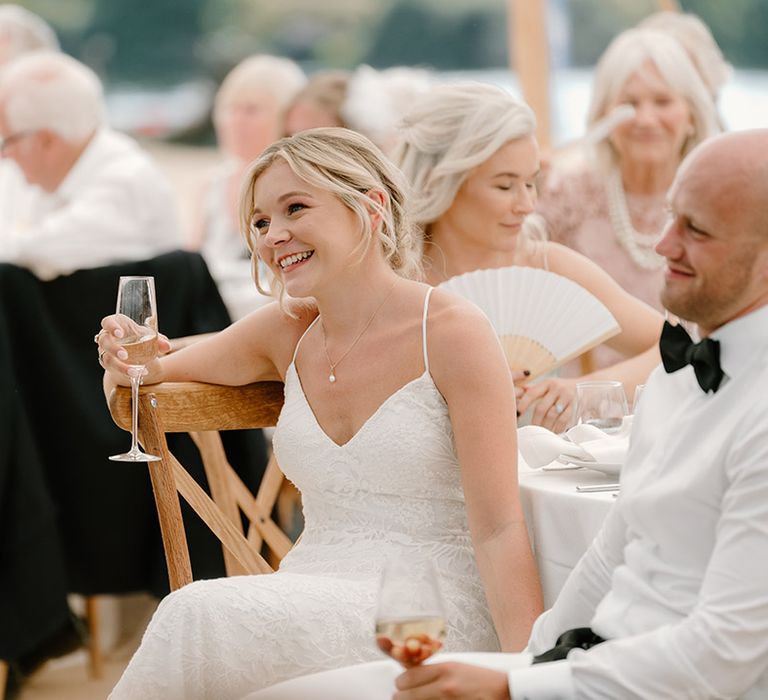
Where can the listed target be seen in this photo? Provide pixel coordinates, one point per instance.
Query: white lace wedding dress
(394, 489)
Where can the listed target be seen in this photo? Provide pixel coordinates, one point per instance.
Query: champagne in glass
(137, 310)
(410, 622)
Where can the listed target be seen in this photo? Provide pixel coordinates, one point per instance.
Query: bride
(398, 428)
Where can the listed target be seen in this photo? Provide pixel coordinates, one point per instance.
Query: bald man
(671, 599)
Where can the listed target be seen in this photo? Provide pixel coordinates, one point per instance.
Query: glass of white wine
(410, 618)
(137, 309)
(602, 404)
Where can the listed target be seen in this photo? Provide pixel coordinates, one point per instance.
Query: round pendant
(331, 377)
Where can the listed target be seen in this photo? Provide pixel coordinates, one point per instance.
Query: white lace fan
(543, 319)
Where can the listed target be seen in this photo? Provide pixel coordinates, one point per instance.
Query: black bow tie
(678, 350)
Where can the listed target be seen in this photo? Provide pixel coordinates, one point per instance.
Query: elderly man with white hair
(99, 199)
(21, 31)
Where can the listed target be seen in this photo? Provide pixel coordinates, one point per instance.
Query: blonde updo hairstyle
(447, 133)
(348, 165)
(627, 54)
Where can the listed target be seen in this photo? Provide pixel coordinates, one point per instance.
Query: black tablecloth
(71, 520)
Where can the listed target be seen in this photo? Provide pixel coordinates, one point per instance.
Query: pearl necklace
(638, 245)
(333, 365)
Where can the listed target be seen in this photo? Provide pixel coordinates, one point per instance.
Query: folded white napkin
(539, 446)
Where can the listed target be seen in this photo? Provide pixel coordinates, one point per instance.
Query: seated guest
(470, 153)
(671, 599)
(100, 200)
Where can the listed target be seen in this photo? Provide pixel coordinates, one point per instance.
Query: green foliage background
(164, 41)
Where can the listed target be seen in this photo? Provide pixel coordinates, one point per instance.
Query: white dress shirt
(113, 206)
(677, 579)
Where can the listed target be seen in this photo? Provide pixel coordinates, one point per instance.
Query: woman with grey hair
(248, 116)
(611, 204)
(470, 154)
(696, 38)
(395, 427)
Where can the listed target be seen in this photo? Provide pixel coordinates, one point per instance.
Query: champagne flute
(602, 404)
(410, 618)
(137, 310)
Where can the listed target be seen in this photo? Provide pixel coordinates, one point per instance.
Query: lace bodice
(393, 490)
(397, 477)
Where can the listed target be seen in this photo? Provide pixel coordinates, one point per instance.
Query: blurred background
(162, 59)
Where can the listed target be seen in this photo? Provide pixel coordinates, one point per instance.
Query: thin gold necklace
(333, 365)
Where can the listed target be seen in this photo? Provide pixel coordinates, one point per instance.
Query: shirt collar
(742, 339)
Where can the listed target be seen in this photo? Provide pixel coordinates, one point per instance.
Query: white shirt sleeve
(585, 587)
(122, 216)
(720, 649)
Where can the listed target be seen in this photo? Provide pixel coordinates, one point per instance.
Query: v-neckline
(366, 422)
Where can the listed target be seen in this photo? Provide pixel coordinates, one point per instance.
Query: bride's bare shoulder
(272, 329)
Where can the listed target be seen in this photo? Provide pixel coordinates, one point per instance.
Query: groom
(671, 599)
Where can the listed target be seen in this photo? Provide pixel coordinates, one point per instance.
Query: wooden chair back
(202, 410)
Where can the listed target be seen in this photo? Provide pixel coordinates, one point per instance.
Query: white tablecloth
(562, 522)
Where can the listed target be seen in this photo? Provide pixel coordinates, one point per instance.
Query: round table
(562, 522)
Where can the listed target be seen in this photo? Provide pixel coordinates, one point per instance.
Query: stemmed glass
(410, 618)
(602, 404)
(138, 311)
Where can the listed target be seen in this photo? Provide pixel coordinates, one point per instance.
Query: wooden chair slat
(220, 524)
(202, 410)
(195, 406)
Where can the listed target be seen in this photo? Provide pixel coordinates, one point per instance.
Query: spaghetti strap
(296, 349)
(424, 329)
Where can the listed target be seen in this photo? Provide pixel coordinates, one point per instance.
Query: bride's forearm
(512, 585)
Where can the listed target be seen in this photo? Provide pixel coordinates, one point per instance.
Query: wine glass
(137, 310)
(602, 404)
(410, 618)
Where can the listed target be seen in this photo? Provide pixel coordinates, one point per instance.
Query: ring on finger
(101, 356)
(559, 408)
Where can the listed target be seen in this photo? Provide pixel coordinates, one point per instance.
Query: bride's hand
(112, 355)
(552, 401)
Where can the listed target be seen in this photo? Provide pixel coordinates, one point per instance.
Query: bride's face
(494, 199)
(305, 234)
